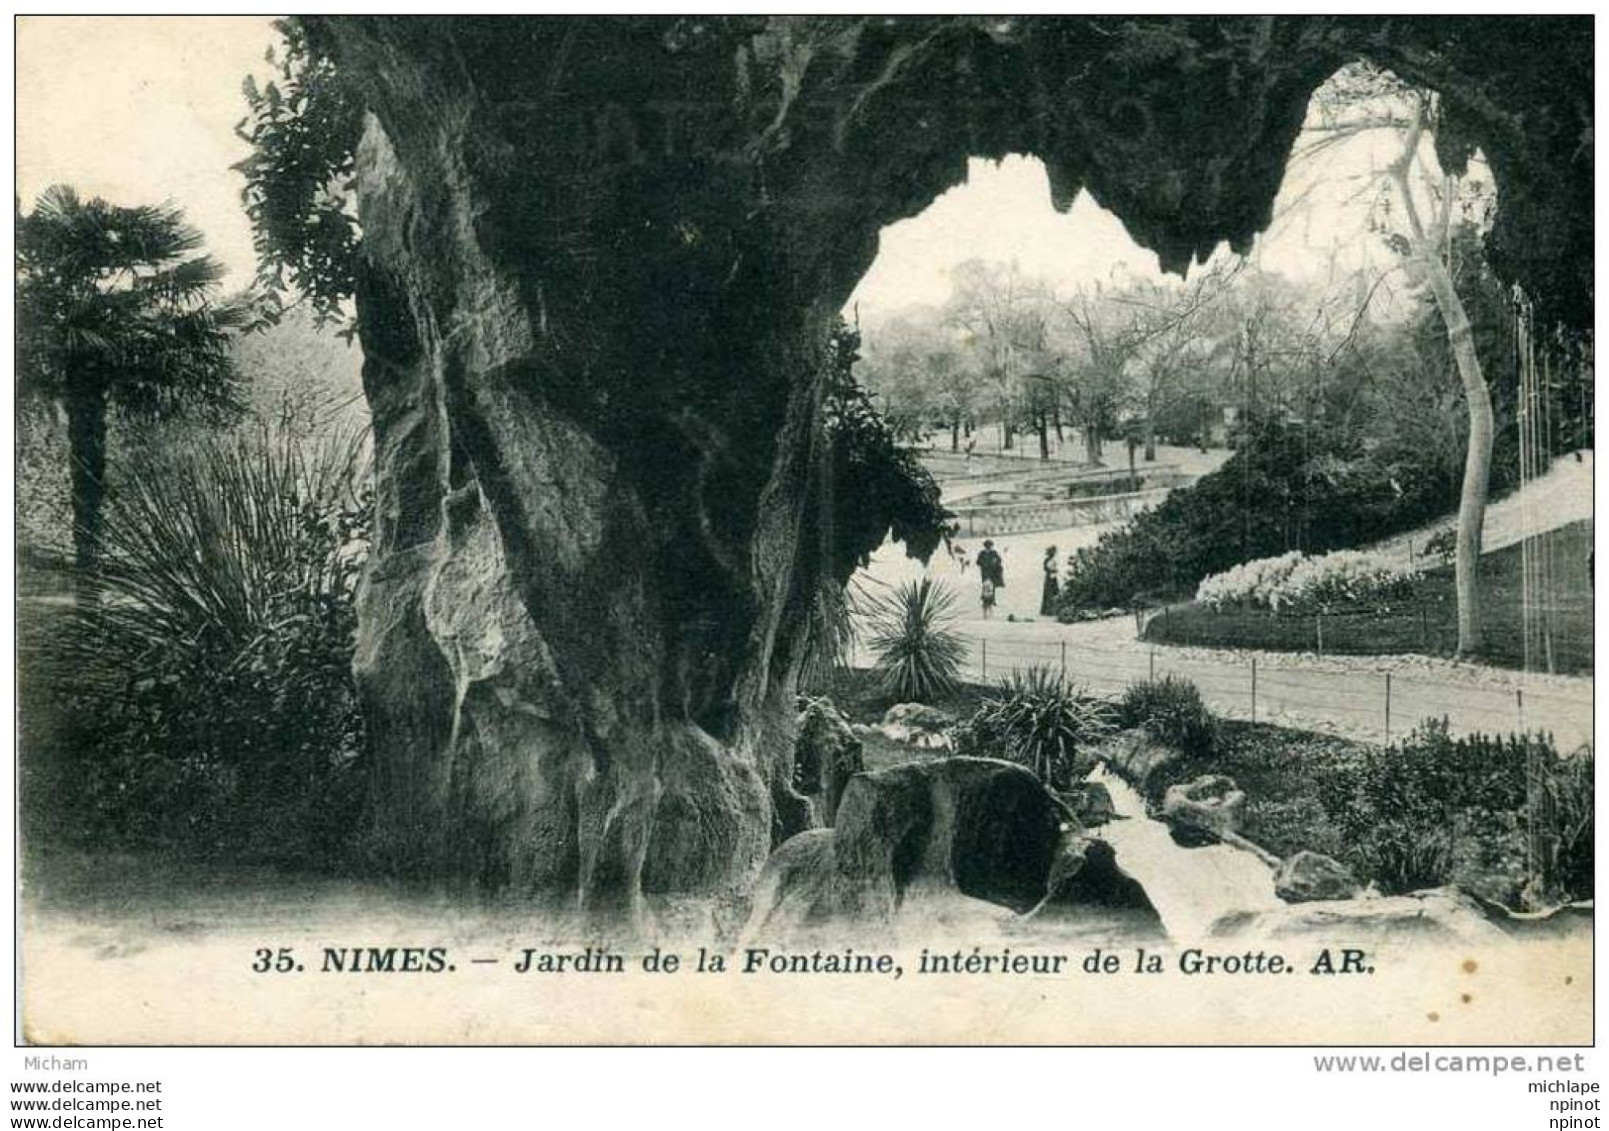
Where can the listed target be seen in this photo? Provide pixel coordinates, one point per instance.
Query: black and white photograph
(818, 530)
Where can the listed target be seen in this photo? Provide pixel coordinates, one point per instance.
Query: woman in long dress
(1047, 602)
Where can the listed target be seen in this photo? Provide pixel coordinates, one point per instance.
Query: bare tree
(1171, 336)
(1098, 367)
(1425, 241)
(1001, 316)
(1363, 100)
(916, 366)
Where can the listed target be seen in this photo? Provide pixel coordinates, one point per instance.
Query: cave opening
(1036, 354)
(552, 313)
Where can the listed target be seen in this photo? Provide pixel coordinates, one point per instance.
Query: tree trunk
(955, 433)
(1477, 455)
(1044, 438)
(584, 610)
(1150, 439)
(86, 451)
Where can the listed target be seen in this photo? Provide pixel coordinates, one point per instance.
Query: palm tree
(114, 307)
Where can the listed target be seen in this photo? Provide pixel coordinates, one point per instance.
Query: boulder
(1135, 756)
(916, 724)
(944, 841)
(1210, 805)
(1562, 921)
(918, 715)
(1091, 803)
(1088, 874)
(827, 753)
(1311, 876)
(1490, 858)
(987, 828)
(796, 888)
(1436, 915)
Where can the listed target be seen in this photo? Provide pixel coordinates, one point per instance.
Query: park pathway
(1376, 698)
(1369, 697)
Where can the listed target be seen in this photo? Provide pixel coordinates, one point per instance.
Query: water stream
(1191, 888)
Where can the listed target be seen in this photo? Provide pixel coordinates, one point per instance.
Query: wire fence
(1380, 704)
(1426, 625)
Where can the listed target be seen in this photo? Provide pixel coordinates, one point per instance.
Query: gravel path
(1336, 694)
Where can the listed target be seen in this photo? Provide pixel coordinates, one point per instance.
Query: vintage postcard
(777, 529)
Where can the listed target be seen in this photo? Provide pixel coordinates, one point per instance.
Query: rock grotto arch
(600, 258)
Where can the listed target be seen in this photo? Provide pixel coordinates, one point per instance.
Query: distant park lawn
(1429, 625)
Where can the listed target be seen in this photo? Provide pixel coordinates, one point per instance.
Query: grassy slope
(1430, 625)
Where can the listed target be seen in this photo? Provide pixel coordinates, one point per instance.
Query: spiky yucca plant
(830, 632)
(209, 548)
(212, 674)
(1038, 720)
(917, 650)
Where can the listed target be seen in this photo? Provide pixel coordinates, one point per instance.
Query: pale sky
(1003, 212)
(142, 109)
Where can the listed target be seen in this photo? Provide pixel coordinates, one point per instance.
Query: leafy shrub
(1040, 721)
(1402, 854)
(1288, 825)
(1401, 810)
(213, 677)
(918, 652)
(1443, 545)
(1440, 809)
(881, 489)
(829, 635)
(1572, 793)
(1289, 486)
(303, 127)
(1296, 583)
(1171, 712)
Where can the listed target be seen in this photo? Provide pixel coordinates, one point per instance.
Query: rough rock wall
(601, 257)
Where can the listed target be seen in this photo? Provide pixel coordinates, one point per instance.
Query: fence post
(1064, 659)
(1388, 708)
(1542, 825)
(1153, 663)
(984, 672)
(1519, 702)
(1318, 621)
(1254, 689)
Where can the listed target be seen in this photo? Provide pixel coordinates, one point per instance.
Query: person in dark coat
(992, 574)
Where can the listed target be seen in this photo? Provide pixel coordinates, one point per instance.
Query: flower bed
(1298, 584)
